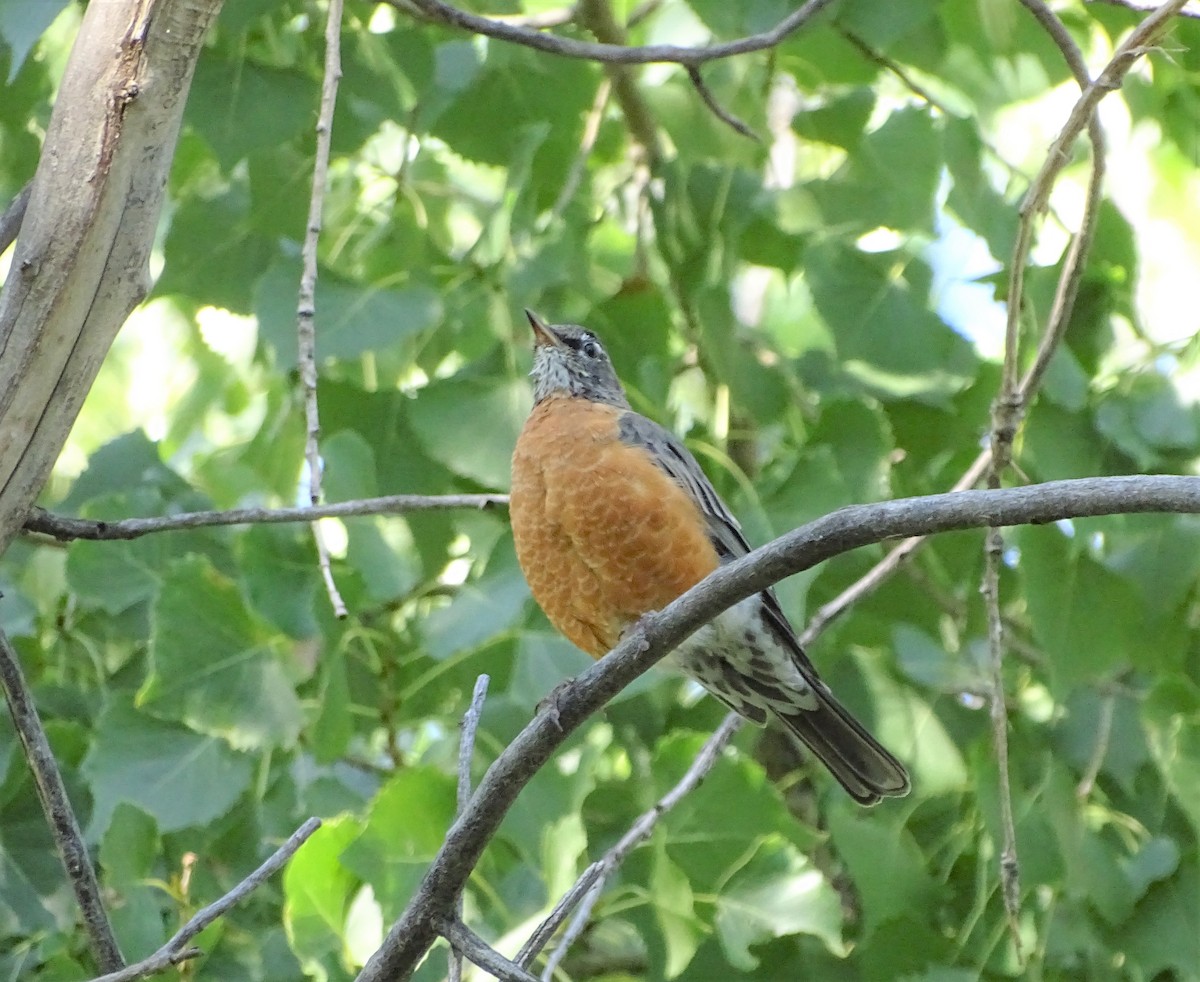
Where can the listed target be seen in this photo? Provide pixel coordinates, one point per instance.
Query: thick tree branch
(81, 260)
(56, 806)
(177, 949)
(64, 528)
(615, 54)
(659, 633)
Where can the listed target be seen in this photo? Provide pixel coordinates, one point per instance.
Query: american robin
(613, 518)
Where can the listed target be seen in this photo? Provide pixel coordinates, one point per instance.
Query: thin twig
(463, 939)
(1013, 400)
(655, 635)
(466, 751)
(56, 806)
(1010, 868)
(723, 114)
(1059, 317)
(177, 949)
(306, 307)
(591, 884)
(1108, 705)
(567, 903)
(64, 528)
(597, 16)
(13, 217)
(615, 54)
(1057, 157)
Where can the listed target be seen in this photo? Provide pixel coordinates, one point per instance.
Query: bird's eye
(590, 349)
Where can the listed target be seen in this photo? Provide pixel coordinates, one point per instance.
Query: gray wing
(677, 462)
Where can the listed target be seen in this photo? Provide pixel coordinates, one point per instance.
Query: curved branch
(615, 54)
(659, 633)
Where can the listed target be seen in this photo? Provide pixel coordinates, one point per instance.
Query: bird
(613, 518)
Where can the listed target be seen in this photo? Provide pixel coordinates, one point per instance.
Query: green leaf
(130, 845)
(886, 336)
(317, 889)
(1162, 934)
(179, 778)
(674, 907)
(21, 24)
(886, 865)
(214, 666)
(1084, 617)
(890, 181)
(403, 832)
(351, 318)
(471, 426)
(224, 95)
(777, 893)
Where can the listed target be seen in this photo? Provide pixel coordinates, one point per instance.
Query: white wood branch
(80, 263)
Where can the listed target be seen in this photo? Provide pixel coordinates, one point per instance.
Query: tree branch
(615, 54)
(723, 114)
(658, 633)
(463, 939)
(466, 751)
(64, 528)
(81, 261)
(56, 806)
(177, 950)
(306, 305)
(14, 215)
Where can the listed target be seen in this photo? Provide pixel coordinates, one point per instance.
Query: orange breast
(602, 534)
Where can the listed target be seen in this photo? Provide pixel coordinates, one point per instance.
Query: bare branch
(1064, 300)
(1008, 411)
(463, 939)
(466, 750)
(597, 17)
(567, 903)
(56, 806)
(657, 634)
(65, 528)
(306, 307)
(1082, 114)
(591, 884)
(1010, 869)
(178, 949)
(14, 215)
(615, 54)
(723, 114)
(81, 262)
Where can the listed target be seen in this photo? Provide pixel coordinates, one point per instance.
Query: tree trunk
(80, 264)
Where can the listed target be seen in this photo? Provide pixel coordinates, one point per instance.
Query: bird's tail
(861, 765)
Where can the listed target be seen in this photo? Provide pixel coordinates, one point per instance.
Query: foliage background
(817, 312)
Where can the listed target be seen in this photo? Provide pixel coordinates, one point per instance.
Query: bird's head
(570, 360)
